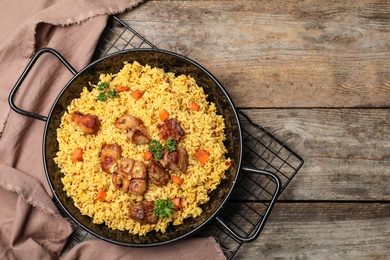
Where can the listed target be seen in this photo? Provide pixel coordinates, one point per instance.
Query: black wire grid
(249, 204)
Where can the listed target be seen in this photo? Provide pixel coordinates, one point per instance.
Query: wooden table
(316, 74)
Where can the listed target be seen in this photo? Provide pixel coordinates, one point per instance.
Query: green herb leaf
(102, 86)
(170, 144)
(163, 208)
(156, 148)
(112, 93)
(102, 96)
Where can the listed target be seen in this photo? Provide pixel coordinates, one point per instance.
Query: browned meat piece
(121, 181)
(139, 170)
(176, 161)
(126, 165)
(88, 124)
(136, 130)
(170, 128)
(136, 136)
(157, 173)
(127, 121)
(143, 212)
(137, 186)
(109, 156)
(131, 176)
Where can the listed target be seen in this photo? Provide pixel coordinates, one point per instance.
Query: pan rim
(204, 222)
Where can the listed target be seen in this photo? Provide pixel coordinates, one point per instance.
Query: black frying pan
(171, 62)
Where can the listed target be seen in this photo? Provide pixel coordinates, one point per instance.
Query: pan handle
(259, 226)
(23, 76)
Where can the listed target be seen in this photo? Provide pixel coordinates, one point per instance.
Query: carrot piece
(193, 106)
(177, 202)
(101, 195)
(202, 155)
(77, 155)
(177, 179)
(163, 115)
(137, 94)
(227, 163)
(121, 88)
(147, 155)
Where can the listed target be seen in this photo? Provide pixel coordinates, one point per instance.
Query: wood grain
(323, 231)
(346, 151)
(315, 74)
(281, 53)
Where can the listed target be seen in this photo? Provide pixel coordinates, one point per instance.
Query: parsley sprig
(157, 149)
(163, 208)
(102, 86)
(170, 145)
(105, 92)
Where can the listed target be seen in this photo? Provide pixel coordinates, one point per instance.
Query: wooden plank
(321, 71)
(346, 151)
(323, 231)
(280, 53)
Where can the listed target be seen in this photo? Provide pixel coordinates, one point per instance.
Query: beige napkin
(30, 225)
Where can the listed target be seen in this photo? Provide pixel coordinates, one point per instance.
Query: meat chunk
(139, 170)
(157, 173)
(88, 124)
(131, 176)
(136, 131)
(170, 128)
(138, 186)
(127, 121)
(109, 157)
(121, 181)
(176, 161)
(126, 165)
(143, 212)
(136, 169)
(137, 136)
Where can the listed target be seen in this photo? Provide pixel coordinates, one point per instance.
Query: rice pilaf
(203, 129)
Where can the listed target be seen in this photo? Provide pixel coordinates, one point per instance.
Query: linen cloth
(30, 224)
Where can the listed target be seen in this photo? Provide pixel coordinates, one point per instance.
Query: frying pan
(170, 62)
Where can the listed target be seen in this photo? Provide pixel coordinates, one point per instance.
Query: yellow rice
(203, 129)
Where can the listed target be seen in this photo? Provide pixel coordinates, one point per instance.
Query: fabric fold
(21, 18)
(30, 225)
(194, 248)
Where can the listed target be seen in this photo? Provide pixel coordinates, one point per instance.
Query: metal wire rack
(248, 206)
